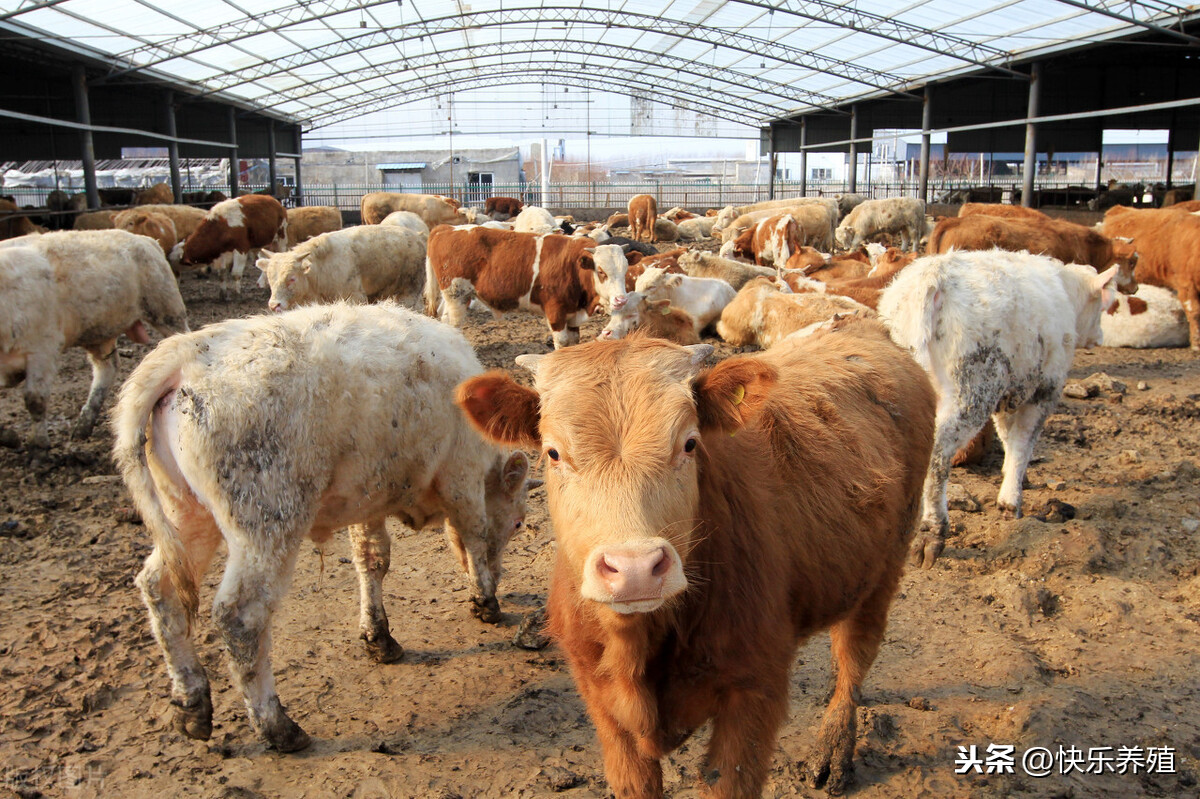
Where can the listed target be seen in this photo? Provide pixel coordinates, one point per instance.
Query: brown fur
(1168, 246)
(95, 220)
(1066, 241)
(158, 194)
(503, 205)
(794, 517)
(13, 224)
(1000, 210)
(760, 314)
(499, 264)
(185, 218)
(1190, 206)
(765, 237)
(151, 224)
(975, 450)
(311, 221)
(839, 269)
(264, 223)
(643, 211)
(805, 258)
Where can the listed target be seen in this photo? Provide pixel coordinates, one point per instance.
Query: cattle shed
(215, 78)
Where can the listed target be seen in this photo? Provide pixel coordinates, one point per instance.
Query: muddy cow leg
(1018, 431)
(40, 369)
(190, 695)
(958, 420)
(104, 361)
(854, 642)
(256, 578)
(373, 557)
(1189, 298)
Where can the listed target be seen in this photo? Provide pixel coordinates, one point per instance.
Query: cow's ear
(634, 257)
(673, 280)
(500, 409)
(731, 394)
(662, 306)
(515, 469)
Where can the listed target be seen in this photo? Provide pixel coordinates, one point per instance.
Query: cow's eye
(690, 446)
(552, 454)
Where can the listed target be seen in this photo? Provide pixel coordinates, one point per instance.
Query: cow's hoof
(833, 777)
(286, 736)
(925, 549)
(1008, 512)
(38, 442)
(384, 649)
(81, 430)
(531, 633)
(194, 720)
(486, 610)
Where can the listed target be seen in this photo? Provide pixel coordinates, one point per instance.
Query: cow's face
(844, 236)
(621, 426)
(287, 275)
(611, 266)
(1125, 256)
(1101, 290)
(626, 316)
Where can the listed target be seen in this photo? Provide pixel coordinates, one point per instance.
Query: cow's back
(498, 263)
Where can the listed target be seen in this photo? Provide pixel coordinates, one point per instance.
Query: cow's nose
(604, 334)
(634, 576)
(275, 306)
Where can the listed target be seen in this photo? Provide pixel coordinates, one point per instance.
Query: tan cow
(708, 522)
(760, 314)
(432, 209)
(153, 225)
(643, 213)
(309, 221)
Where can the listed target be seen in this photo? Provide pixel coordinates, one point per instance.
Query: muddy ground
(1082, 632)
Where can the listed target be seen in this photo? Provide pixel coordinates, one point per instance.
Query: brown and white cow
(1066, 241)
(236, 230)
(508, 206)
(643, 211)
(769, 243)
(708, 522)
(510, 270)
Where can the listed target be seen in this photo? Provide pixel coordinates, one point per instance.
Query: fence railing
(687, 194)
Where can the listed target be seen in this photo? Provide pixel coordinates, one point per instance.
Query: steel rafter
(26, 7)
(847, 16)
(1130, 19)
(674, 64)
(616, 81)
(570, 15)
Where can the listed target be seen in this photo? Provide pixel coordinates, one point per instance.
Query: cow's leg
(1189, 298)
(454, 310)
(743, 738)
(104, 361)
(189, 684)
(1018, 431)
(959, 418)
(372, 557)
(40, 369)
(239, 267)
(631, 764)
(256, 578)
(466, 532)
(854, 643)
(222, 265)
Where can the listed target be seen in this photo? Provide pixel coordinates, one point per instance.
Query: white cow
(79, 289)
(736, 273)
(361, 264)
(1152, 317)
(996, 331)
(702, 298)
(904, 216)
(407, 219)
(533, 219)
(266, 431)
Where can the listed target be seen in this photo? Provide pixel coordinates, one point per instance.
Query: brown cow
(708, 522)
(509, 206)
(1066, 241)
(236, 230)
(14, 222)
(511, 270)
(1000, 210)
(1168, 245)
(149, 223)
(643, 211)
(771, 242)
(311, 221)
(158, 194)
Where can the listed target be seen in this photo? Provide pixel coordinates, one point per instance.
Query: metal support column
(852, 185)
(1196, 174)
(272, 171)
(299, 191)
(1170, 154)
(87, 148)
(1100, 164)
(1030, 169)
(803, 157)
(544, 174)
(926, 126)
(233, 154)
(173, 149)
(771, 166)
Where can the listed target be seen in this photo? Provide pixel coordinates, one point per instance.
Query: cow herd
(709, 518)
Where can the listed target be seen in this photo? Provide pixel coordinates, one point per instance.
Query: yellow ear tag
(666, 310)
(739, 395)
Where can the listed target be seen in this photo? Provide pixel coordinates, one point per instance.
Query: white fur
(533, 219)
(902, 215)
(702, 298)
(230, 211)
(407, 219)
(1162, 324)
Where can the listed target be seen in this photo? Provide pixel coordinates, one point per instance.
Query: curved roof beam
(604, 51)
(616, 81)
(600, 17)
(847, 16)
(1130, 19)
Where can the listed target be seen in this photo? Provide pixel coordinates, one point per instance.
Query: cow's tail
(431, 287)
(154, 381)
(935, 238)
(916, 326)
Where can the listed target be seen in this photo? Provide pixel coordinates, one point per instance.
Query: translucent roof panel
(742, 63)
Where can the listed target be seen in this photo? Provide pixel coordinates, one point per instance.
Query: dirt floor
(1081, 632)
